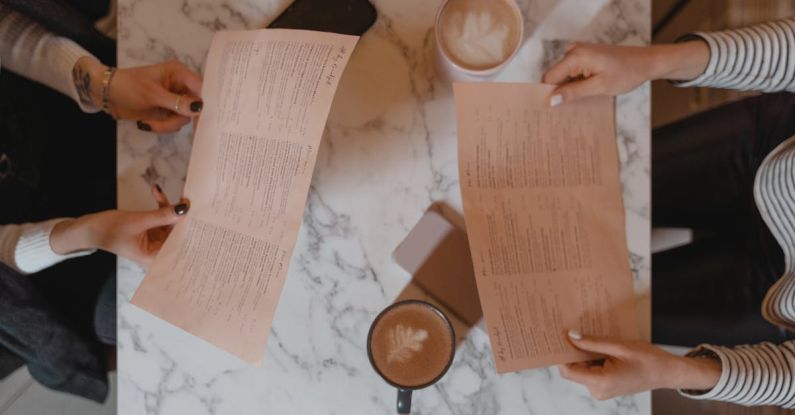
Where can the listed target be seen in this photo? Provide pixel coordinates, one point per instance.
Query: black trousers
(703, 171)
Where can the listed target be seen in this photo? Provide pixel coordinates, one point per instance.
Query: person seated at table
(160, 98)
(729, 173)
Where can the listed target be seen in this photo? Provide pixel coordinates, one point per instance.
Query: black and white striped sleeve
(761, 374)
(759, 58)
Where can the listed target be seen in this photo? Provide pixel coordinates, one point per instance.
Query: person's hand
(633, 366)
(137, 236)
(589, 69)
(162, 98)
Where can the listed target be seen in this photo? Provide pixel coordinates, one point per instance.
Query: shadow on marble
(446, 277)
(609, 25)
(533, 12)
(613, 24)
(553, 51)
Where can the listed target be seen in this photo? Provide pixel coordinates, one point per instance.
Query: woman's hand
(632, 367)
(162, 97)
(589, 69)
(137, 236)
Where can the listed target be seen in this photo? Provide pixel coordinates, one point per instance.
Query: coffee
(479, 34)
(411, 344)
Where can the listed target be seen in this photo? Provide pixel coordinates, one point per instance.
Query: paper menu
(545, 219)
(267, 94)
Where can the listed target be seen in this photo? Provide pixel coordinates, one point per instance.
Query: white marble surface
(387, 154)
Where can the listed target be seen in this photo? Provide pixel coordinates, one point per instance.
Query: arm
(138, 236)
(28, 49)
(760, 374)
(162, 97)
(758, 58)
(594, 69)
(755, 58)
(26, 248)
(632, 367)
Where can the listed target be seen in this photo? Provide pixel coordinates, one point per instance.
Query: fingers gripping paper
(544, 214)
(266, 94)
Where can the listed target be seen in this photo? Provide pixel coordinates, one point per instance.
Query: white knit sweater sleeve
(26, 248)
(28, 49)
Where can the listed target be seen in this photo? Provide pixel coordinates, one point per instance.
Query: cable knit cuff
(33, 252)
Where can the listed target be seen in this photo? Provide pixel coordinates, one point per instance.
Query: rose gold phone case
(436, 253)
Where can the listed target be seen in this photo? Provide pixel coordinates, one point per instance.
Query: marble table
(388, 152)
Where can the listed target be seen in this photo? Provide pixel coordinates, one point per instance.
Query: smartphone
(436, 254)
(347, 17)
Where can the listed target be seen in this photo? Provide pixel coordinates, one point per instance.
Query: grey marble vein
(388, 152)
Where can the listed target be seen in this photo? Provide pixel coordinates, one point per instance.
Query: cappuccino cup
(411, 344)
(476, 38)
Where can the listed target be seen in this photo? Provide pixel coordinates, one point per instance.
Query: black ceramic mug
(411, 344)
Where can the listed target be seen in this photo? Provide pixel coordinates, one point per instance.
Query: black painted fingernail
(196, 106)
(144, 126)
(159, 189)
(181, 209)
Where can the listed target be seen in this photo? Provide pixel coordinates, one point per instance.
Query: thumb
(166, 215)
(596, 344)
(575, 90)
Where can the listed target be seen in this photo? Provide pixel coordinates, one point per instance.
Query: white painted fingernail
(575, 335)
(555, 100)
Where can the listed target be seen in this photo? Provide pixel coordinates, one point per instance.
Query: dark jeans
(34, 333)
(703, 171)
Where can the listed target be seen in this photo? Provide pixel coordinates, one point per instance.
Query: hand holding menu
(544, 214)
(267, 94)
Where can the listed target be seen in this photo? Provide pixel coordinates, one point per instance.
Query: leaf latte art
(411, 344)
(404, 341)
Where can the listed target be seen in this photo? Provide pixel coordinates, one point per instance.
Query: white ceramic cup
(450, 70)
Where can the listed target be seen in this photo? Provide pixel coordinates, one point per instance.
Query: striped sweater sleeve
(760, 374)
(759, 58)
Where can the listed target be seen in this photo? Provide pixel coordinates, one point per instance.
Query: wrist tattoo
(82, 81)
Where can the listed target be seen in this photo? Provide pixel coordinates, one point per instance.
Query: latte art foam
(479, 34)
(476, 38)
(411, 344)
(404, 341)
